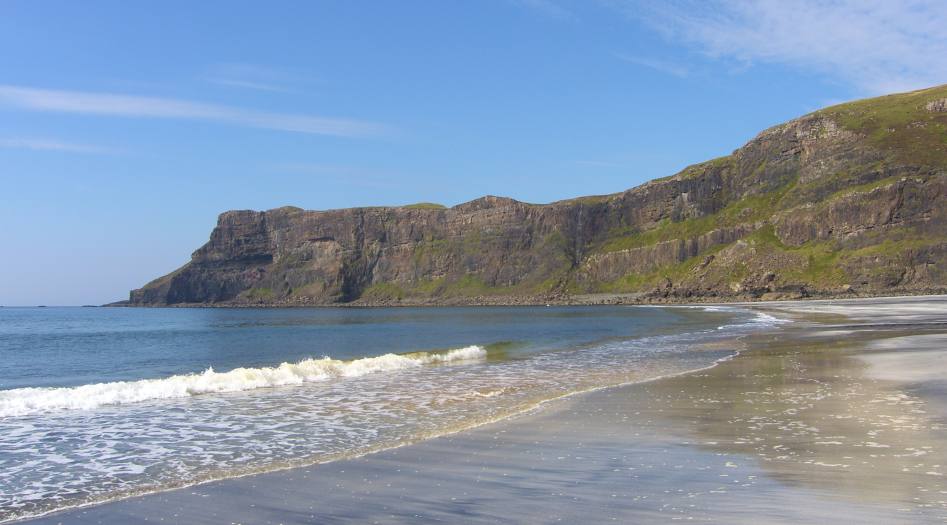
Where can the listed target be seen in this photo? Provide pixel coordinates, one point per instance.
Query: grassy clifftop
(912, 127)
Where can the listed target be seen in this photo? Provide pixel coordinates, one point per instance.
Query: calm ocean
(99, 403)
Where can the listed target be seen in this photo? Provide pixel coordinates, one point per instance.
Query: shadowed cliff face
(850, 199)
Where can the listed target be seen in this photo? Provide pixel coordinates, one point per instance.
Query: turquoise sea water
(98, 403)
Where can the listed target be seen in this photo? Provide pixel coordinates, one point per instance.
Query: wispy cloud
(545, 7)
(662, 66)
(248, 85)
(250, 76)
(37, 144)
(108, 104)
(876, 45)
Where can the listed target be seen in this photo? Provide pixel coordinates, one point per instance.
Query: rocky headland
(848, 201)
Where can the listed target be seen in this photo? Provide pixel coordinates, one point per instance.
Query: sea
(104, 403)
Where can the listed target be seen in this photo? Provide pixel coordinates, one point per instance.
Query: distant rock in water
(851, 199)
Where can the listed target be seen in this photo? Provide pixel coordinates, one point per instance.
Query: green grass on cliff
(891, 247)
(815, 264)
(643, 282)
(465, 286)
(900, 124)
(862, 188)
(468, 285)
(745, 211)
(383, 292)
(698, 170)
(817, 261)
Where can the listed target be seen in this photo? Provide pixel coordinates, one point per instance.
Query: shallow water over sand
(793, 430)
(67, 444)
(805, 413)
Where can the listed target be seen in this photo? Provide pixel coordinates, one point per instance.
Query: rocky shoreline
(559, 300)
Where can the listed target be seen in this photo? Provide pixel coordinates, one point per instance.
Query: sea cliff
(849, 200)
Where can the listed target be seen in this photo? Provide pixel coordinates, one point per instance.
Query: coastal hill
(849, 200)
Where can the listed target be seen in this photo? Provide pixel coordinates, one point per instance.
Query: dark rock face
(817, 206)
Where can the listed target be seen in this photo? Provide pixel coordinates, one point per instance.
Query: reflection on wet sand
(804, 410)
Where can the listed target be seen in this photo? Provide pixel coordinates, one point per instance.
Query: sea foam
(27, 401)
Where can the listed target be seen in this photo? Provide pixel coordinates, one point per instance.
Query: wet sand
(839, 416)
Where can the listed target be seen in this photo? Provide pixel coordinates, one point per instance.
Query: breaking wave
(27, 401)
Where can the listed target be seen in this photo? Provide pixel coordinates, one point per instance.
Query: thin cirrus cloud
(248, 84)
(250, 76)
(108, 104)
(878, 46)
(42, 144)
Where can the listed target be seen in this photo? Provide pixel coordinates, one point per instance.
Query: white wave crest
(764, 318)
(26, 401)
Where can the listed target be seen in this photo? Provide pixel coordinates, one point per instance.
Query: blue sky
(126, 127)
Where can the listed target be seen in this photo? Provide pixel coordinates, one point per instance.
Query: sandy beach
(838, 415)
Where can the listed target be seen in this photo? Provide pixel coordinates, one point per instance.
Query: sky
(127, 127)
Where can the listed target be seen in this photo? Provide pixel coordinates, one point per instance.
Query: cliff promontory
(851, 199)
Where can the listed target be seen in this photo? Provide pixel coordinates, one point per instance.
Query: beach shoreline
(508, 461)
(592, 299)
